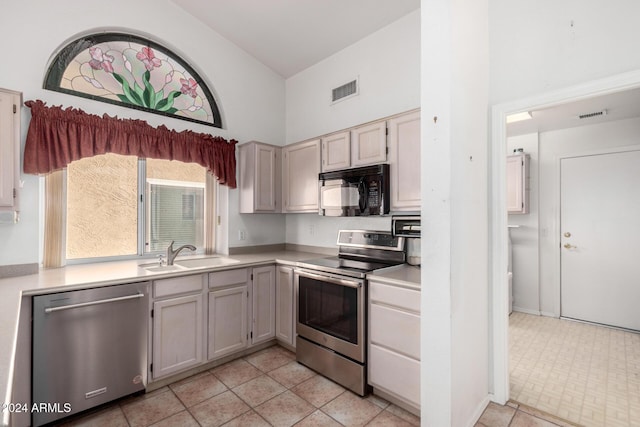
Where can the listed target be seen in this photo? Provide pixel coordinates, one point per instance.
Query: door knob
(567, 234)
(568, 246)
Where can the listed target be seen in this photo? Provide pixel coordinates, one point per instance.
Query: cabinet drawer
(397, 296)
(395, 373)
(229, 277)
(395, 329)
(177, 285)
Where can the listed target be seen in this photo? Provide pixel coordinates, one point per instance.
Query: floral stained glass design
(134, 72)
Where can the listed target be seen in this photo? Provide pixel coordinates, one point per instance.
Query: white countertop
(87, 276)
(401, 275)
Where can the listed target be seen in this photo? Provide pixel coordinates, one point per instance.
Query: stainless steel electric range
(332, 305)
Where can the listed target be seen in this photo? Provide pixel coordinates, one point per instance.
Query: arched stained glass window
(134, 72)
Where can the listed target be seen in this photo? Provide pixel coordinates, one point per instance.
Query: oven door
(330, 312)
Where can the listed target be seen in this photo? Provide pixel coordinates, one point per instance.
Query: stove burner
(346, 266)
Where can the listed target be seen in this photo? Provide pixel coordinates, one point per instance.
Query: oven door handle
(330, 279)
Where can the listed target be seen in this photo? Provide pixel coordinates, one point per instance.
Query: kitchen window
(122, 206)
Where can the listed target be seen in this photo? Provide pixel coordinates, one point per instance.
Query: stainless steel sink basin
(205, 262)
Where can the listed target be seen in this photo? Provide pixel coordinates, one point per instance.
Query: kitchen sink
(156, 268)
(206, 262)
(189, 264)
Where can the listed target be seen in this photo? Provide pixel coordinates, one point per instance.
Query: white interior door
(600, 238)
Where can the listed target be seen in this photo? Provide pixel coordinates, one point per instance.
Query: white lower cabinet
(241, 309)
(285, 306)
(228, 312)
(394, 342)
(227, 321)
(178, 320)
(203, 317)
(263, 305)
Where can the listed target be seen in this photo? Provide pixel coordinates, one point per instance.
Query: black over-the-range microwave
(355, 192)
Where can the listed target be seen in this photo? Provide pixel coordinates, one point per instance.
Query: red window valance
(58, 136)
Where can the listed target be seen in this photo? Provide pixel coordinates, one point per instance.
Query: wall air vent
(594, 114)
(347, 90)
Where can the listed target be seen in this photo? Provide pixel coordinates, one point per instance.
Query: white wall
(316, 230)
(387, 64)
(250, 95)
(524, 239)
(454, 319)
(535, 48)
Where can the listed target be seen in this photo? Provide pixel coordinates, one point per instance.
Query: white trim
(548, 314)
(498, 215)
(173, 183)
(479, 410)
(527, 311)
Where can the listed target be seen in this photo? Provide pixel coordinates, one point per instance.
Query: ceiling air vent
(594, 114)
(347, 90)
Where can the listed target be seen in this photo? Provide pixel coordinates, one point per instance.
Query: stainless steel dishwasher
(89, 348)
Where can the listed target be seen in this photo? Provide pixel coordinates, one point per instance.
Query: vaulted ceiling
(291, 35)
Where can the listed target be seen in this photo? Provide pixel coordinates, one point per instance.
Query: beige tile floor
(563, 373)
(267, 388)
(586, 374)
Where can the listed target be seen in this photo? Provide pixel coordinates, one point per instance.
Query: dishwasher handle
(85, 304)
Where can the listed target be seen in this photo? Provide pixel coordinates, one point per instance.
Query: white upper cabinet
(518, 184)
(300, 169)
(404, 161)
(260, 177)
(336, 151)
(10, 103)
(369, 144)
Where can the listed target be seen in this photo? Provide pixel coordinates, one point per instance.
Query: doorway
(498, 216)
(600, 231)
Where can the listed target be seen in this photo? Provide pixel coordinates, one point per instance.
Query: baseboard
(549, 314)
(16, 270)
(526, 311)
(243, 250)
(311, 249)
(479, 410)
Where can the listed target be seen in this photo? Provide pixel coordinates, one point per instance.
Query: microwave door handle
(362, 191)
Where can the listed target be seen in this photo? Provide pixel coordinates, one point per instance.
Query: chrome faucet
(172, 254)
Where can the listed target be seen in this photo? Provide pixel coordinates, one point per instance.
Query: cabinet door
(336, 151)
(177, 334)
(9, 147)
(518, 184)
(394, 358)
(404, 162)
(395, 373)
(227, 321)
(285, 306)
(301, 166)
(369, 144)
(259, 177)
(263, 304)
(265, 178)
